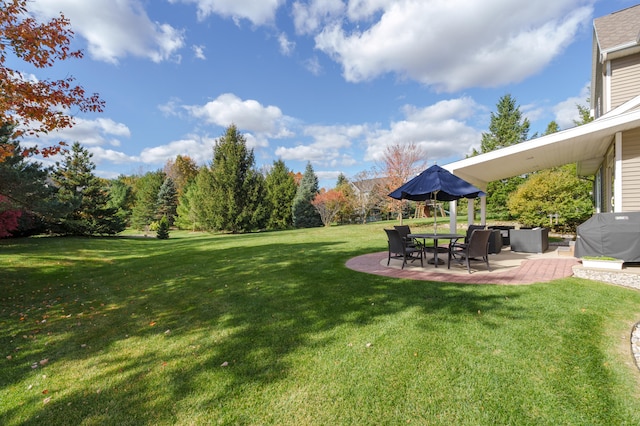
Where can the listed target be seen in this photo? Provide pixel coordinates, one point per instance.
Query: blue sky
(333, 82)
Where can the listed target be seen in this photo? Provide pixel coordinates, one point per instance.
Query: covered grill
(610, 234)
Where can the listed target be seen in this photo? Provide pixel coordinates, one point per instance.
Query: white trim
(471, 213)
(617, 182)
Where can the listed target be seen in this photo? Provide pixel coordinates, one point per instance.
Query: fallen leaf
(46, 391)
(152, 323)
(9, 357)
(368, 345)
(46, 400)
(44, 361)
(224, 364)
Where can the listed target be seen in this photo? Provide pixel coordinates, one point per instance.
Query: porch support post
(617, 179)
(483, 210)
(471, 214)
(453, 216)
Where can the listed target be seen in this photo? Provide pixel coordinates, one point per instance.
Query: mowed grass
(272, 328)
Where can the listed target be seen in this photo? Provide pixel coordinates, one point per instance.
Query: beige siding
(631, 170)
(625, 74)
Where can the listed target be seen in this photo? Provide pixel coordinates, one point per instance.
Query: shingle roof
(618, 28)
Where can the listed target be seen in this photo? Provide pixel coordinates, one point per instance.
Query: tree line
(231, 195)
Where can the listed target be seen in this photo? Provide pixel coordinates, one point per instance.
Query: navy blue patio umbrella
(436, 183)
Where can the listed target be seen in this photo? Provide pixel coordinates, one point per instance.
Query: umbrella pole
(435, 215)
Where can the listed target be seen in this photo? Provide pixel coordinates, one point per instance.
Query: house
(608, 148)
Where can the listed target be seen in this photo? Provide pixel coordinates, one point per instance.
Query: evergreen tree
(304, 214)
(145, 208)
(84, 197)
(280, 189)
(121, 197)
(24, 189)
(186, 212)
(584, 114)
(507, 128)
(236, 191)
(167, 201)
(552, 127)
(201, 200)
(163, 229)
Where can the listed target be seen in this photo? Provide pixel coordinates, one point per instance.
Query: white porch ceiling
(586, 145)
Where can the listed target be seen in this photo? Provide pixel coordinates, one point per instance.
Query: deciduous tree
(328, 204)
(366, 196)
(8, 217)
(399, 164)
(558, 191)
(348, 207)
(182, 170)
(36, 106)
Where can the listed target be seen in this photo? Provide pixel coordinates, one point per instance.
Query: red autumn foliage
(8, 219)
(32, 106)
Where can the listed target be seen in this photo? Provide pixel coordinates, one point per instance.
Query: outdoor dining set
(412, 247)
(438, 184)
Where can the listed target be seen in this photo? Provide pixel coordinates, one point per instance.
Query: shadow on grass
(153, 323)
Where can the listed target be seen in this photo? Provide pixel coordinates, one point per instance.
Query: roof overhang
(585, 145)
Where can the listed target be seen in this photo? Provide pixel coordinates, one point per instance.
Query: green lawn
(272, 328)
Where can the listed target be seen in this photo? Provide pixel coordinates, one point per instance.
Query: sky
(330, 82)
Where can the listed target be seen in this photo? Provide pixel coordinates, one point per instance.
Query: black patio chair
(477, 249)
(458, 244)
(398, 249)
(404, 231)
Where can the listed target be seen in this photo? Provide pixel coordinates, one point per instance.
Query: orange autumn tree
(34, 107)
(399, 163)
(328, 204)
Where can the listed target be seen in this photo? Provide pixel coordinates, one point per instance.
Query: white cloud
(98, 132)
(328, 145)
(286, 47)
(313, 66)
(248, 115)
(308, 18)
(115, 29)
(440, 130)
(200, 149)
(567, 111)
(450, 45)
(258, 12)
(198, 51)
(101, 155)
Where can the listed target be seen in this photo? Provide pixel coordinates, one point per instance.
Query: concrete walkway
(507, 268)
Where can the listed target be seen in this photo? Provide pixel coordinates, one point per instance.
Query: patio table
(435, 238)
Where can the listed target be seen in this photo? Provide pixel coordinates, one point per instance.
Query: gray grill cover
(610, 234)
